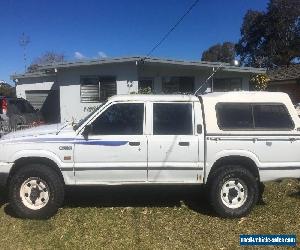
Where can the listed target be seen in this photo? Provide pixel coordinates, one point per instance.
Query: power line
(173, 28)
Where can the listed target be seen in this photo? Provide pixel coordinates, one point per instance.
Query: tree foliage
(260, 82)
(220, 53)
(145, 91)
(271, 38)
(48, 57)
(7, 90)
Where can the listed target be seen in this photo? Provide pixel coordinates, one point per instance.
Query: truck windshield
(82, 121)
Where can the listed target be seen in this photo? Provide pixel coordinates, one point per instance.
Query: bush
(260, 82)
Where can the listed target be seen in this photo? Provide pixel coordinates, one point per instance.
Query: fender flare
(231, 153)
(66, 169)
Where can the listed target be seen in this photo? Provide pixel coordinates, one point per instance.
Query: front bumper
(4, 173)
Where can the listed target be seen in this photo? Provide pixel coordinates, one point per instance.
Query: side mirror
(199, 129)
(86, 131)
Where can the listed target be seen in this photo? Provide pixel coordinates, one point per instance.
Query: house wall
(245, 77)
(127, 75)
(200, 75)
(291, 87)
(36, 83)
(69, 80)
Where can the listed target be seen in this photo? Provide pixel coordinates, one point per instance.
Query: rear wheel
(36, 192)
(233, 191)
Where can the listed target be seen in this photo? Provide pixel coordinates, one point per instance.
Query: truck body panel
(154, 157)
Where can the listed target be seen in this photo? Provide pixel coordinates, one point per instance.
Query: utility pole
(24, 41)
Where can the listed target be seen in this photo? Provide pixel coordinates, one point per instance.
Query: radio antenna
(24, 41)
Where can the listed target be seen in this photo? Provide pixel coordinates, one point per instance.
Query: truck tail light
(3, 106)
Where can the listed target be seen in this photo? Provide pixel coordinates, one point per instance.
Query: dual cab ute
(231, 142)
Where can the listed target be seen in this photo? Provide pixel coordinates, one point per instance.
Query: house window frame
(163, 82)
(98, 77)
(215, 79)
(146, 78)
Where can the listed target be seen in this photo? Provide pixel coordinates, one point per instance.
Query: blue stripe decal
(101, 143)
(95, 142)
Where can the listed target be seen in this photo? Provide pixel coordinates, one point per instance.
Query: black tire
(245, 186)
(54, 188)
(261, 188)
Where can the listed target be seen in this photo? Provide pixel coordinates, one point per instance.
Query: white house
(70, 90)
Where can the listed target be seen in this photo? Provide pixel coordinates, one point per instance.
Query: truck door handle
(184, 143)
(134, 143)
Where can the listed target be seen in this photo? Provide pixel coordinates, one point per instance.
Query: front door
(116, 147)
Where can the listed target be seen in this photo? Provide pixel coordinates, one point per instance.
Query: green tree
(271, 38)
(220, 53)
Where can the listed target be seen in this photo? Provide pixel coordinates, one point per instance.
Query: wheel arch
(244, 161)
(21, 162)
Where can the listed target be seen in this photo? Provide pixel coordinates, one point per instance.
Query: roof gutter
(51, 69)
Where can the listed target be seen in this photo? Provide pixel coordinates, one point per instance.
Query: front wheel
(233, 191)
(36, 192)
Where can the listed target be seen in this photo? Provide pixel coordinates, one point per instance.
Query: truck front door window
(120, 119)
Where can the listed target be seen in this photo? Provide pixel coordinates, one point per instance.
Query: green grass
(150, 218)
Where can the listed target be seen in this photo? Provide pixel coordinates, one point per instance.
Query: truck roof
(233, 96)
(246, 96)
(156, 98)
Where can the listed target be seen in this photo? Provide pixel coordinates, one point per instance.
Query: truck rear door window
(253, 116)
(172, 119)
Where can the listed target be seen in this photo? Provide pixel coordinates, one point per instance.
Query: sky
(90, 29)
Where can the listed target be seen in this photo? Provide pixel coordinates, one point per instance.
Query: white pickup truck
(231, 142)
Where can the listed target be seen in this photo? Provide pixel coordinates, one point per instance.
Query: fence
(4, 129)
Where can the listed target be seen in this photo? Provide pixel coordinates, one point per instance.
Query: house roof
(44, 70)
(290, 72)
(5, 84)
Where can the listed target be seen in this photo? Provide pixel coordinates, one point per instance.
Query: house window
(108, 87)
(227, 84)
(89, 89)
(97, 88)
(145, 83)
(253, 116)
(175, 84)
